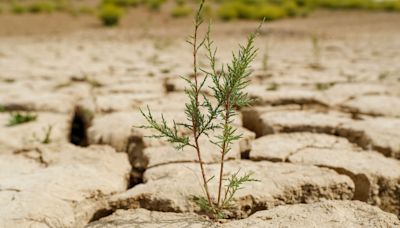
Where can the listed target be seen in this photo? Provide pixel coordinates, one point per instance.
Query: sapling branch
(234, 183)
(228, 90)
(194, 108)
(170, 134)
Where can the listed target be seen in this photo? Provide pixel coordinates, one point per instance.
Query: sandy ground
(324, 130)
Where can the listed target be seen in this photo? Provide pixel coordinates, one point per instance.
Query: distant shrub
(255, 9)
(110, 14)
(18, 9)
(154, 4)
(41, 6)
(62, 5)
(238, 9)
(181, 11)
(291, 8)
(151, 4)
(227, 12)
(86, 10)
(246, 11)
(271, 12)
(304, 11)
(180, 2)
(308, 3)
(346, 4)
(277, 9)
(391, 5)
(122, 3)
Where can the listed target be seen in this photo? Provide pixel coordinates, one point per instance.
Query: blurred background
(30, 16)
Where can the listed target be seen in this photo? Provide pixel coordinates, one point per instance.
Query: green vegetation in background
(86, 10)
(41, 6)
(38, 6)
(390, 5)
(181, 10)
(110, 14)
(154, 4)
(259, 9)
(122, 3)
(18, 8)
(224, 9)
(151, 4)
(277, 9)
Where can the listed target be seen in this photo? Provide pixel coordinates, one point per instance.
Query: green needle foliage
(17, 118)
(204, 117)
(234, 184)
(171, 134)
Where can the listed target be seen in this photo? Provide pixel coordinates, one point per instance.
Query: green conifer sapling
(205, 116)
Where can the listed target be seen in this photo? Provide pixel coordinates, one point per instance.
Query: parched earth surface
(323, 137)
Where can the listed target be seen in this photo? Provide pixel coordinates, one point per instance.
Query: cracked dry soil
(324, 142)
